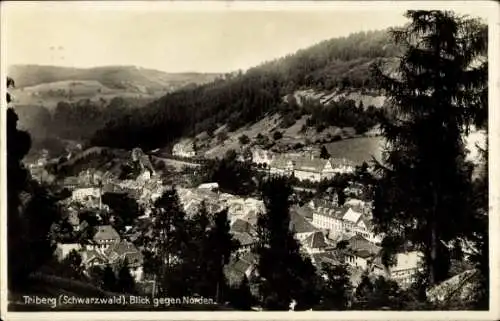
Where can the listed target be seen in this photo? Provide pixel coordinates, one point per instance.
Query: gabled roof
(105, 232)
(304, 211)
(328, 258)
(358, 243)
(362, 247)
(91, 255)
(124, 250)
(335, 212)
(351, 216)
(238, 266)
(315, 241)
(242, 226)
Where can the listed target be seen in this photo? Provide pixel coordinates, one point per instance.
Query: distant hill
(48, 85)
(89, 98)
(337, 67)
(113, 77)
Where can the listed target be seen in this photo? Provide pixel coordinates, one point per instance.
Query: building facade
(309, 168)
(184, 149)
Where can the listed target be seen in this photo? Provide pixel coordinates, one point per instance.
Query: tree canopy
(439, 90)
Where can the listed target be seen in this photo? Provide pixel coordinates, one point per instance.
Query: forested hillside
(244, 98)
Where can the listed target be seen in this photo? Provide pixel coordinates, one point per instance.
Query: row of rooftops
(309, 164)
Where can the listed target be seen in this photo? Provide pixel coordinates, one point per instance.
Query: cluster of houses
(320, 225)
(106, 247)
(238, 207)
(305, 166)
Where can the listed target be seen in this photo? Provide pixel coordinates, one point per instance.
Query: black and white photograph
(248, 157)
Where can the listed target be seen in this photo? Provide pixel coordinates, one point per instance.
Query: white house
(63, 249)
(342, 165)
(83, 194)
(281, 166)
(209, 186)
(329, 219)
(184, 149)
(313, 169)
(309, 167)
(407, 266)
(261, 156)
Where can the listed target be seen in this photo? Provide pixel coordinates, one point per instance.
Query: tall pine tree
(438, 91)
(285, 275)
(109, 281)
(125, 280)
(336, 292)
(222, 244)
(31, 210)
(165, 244)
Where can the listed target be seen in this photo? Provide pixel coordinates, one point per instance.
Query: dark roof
(328, 258)
(242, 226)
(124, 250)
(92, 255)
(304, 211)
(106, 232)
(362, 247)
(244, 238)
(315, 241)
(235, 270)
(299, 224)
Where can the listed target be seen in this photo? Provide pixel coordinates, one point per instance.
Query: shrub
(244, 139)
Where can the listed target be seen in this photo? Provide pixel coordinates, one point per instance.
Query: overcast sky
(175, 39)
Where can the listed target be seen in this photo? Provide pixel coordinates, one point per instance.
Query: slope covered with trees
(244, 98)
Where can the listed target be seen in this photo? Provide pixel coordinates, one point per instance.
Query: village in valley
(319, 221)
(332, 178)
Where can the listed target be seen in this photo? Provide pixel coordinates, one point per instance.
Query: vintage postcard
(249, 159)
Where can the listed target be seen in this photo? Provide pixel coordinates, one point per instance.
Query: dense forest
(246, 97)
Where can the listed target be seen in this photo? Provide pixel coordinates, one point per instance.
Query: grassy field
(49, 94)
(357, 150)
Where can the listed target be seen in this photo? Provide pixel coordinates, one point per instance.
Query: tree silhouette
(125, 280)
(165, 244)
(31, 209)
(324, 153)
(285, 275)
(441, 89)
(336, 292)
(242, 298)
(109, 281)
